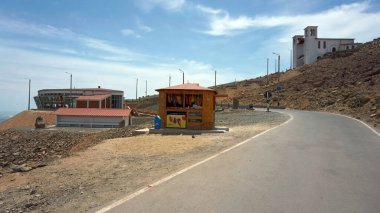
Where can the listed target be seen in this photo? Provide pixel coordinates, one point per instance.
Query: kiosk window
(194, 101)
(174, 100)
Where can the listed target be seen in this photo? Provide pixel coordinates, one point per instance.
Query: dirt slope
(27, 118)
(347, 82)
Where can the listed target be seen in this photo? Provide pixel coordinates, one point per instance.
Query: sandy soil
(116, 167)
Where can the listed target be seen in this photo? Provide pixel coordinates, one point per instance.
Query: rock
(20, 168)
(28, 205)
(363, 99)
(41, 165)
(33, 191)
(318, 83)
(373, 108)
(372, 115)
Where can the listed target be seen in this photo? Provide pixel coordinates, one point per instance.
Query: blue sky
(111, 43)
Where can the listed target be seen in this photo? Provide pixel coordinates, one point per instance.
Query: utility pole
(183, 76)
(137, 83)
(215, 79)
(267, 71)
(278, 78)
(291, 59)
(267, 92)
(30, 81)
(275, 65)
(146, 88)
(170, 80)
(71, 88)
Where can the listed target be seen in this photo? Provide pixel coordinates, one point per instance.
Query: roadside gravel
(113, 168)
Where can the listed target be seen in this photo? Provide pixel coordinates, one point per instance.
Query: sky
(113, 43)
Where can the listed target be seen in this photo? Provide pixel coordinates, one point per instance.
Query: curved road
(317, 162)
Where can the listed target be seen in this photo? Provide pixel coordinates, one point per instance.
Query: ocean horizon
(5, 115)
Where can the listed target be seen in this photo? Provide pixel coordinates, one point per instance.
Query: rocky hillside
(347, 82)
(23, 150)
(27, 118)
(147, 104)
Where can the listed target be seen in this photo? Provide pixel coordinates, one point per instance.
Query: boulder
(19, 168)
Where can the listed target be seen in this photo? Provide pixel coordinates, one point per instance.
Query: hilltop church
(308, 48)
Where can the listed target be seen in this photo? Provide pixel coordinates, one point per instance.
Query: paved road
(315, 163)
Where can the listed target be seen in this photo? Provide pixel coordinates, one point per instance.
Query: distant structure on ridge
(99, 98)
(308, 48)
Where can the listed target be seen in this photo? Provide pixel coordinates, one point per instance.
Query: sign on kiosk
(176, 120)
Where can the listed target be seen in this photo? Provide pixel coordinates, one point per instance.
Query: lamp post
(291, 59)
(137, 83)
(267, 71)
(278, 78)
(146, 88)
(267, 92)
(71, 88)
(215, 79)
(30, 81)
(183, 76)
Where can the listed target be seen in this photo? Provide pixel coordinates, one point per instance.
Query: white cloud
(170, 5)
(141, 29)
(75, 39)
(209, 10)
(130, 32)
(348, 20)
(144, 28)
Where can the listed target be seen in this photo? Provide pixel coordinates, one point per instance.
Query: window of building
(312, 32)
(353, 46)
(347, 47)
(319, 44)
(333, 49)
(324, 44)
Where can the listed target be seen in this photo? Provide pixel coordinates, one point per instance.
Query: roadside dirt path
(116, 167)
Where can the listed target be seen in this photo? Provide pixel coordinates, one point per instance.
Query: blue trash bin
(157, 122)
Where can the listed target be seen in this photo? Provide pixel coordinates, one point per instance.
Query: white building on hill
(308, 48)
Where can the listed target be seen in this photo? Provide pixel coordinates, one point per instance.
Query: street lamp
(30, 80)
(183, 76)
(278, 79)
(215, 79)
(71, 88)
(146, 88)
(291, 59)
(267, 92)
(267, 71)
(137, 83)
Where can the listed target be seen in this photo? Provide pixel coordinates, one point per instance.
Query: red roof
(188, 86)
(93, 112)
(93, 97)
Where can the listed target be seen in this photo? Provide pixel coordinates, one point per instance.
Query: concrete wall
(90, 121)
